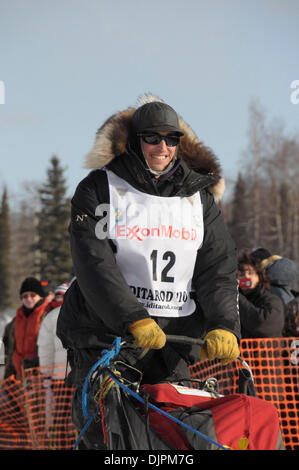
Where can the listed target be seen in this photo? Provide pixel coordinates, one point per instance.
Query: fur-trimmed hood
(281, 271)
(112, 139)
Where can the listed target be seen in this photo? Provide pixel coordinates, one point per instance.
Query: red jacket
(26, 332)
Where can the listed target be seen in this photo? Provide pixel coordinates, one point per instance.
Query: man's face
(158, 156)
(29, 299)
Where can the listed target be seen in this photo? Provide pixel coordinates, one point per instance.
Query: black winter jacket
(100, 303)
(261, 314)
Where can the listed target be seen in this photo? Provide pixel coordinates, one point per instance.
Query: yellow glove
(147, 334)
(220, 344)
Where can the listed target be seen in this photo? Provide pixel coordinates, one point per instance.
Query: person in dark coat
(261, 312)
(282, 273)
(260, 254)
(151, 253)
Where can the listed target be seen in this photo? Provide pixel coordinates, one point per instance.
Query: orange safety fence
(35, 412)
(274, 363)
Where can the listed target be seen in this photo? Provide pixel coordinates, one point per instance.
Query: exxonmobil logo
(164, 231)
(117, 223)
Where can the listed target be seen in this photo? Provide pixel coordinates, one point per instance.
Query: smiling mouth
(159, 157)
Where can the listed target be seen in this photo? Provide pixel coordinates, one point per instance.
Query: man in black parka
(149, 280)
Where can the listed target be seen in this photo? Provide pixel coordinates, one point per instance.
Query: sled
(173, 416)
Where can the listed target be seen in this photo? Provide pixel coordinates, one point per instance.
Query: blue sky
(67, 65)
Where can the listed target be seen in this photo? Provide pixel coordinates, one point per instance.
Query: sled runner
(173, 416)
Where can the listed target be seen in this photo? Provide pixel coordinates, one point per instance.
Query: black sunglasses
(155, 139)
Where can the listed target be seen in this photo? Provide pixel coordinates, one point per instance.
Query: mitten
(220, 344)
(147, 334)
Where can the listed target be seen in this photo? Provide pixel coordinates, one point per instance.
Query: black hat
(156, 116)
(30, 284)
(260, 253)
(48, 286)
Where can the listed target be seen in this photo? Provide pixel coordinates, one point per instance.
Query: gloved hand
(220, 344)
(147, 334)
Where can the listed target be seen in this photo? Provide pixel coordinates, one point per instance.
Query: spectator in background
(60, 291)
(261, 312)
(20, 336)
(58, 296)
(9, 345)
(282, 274)
(291, 327)
(49, 288)
(53, 363)
(50, 350)
(260, 254)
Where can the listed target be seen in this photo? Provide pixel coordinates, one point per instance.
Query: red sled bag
(236, 421)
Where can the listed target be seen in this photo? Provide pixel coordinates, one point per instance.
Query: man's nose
(162, 145)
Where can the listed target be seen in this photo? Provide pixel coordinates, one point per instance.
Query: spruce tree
(239, 222)
(23, 233)
(53, 260)
(5, 245)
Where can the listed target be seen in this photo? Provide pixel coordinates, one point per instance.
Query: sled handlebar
(185, 340)
(201, 342)
(174, 339)
(169, 338)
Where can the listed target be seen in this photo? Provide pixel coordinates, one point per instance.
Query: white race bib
(157, 239)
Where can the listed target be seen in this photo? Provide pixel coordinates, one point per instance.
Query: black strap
(145, 396)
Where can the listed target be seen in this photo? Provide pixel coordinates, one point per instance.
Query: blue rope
(107, 354)
(87, 424)
(103, 362)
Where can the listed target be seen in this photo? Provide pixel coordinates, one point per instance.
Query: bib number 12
(167, 256)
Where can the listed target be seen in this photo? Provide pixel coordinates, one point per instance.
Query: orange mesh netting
(35, 411)
(274, 364)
